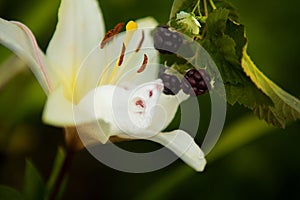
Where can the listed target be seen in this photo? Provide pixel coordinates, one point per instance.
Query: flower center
(111, 75)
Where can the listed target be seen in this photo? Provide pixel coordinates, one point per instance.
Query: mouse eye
(150, 93)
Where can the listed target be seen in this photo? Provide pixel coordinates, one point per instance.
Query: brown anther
(145, 62)
(110, 34)
(141, 42)
(121, 58)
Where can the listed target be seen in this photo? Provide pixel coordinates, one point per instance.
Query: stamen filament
(131, 27)
(121, 58)
(141, 42)
(143, 67)
(118, 64)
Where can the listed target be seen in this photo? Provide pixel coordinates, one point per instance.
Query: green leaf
(58, 163)
(8, 193)
(182, 5)
(245, 84)
(233, 14)
(225, 41)
(286, 107)
(34, 187)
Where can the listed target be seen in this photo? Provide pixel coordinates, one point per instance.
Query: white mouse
(126, 111)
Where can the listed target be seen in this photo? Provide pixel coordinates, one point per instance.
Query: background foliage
(265, 168)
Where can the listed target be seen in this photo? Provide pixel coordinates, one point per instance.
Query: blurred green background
(264, 167)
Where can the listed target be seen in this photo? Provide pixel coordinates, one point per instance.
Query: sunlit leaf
(225, 41)
(286, 107)
(245, 84)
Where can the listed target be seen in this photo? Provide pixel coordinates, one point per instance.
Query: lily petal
(58, 110)
(79, 29)
(184, 146)
(166, 109)
(93, 115)
(19, 39)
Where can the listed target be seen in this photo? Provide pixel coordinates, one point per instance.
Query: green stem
(197, 5)
(205, 8)
(62, 164)
(212, 4)
(64, 170)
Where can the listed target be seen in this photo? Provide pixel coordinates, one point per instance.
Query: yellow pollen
(131, 26)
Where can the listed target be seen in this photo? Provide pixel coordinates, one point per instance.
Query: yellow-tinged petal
(58, 109)
(80, 28)
(93, 115)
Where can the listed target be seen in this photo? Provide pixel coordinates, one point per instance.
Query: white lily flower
(85, 85)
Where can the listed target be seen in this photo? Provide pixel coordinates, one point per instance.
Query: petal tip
(200, 165)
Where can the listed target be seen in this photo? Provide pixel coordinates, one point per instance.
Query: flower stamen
(110, 34)
(131, 27)
(141, 42)
(143, 66)
(121, 58)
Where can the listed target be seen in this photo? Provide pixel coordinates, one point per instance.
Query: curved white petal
(58, 110)
(184, 146)
(96, 105)
(80, 28)
(166, 109)
(19, 39)
(93, 116)
(94, 132)
(89, 73)
(147, 22)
